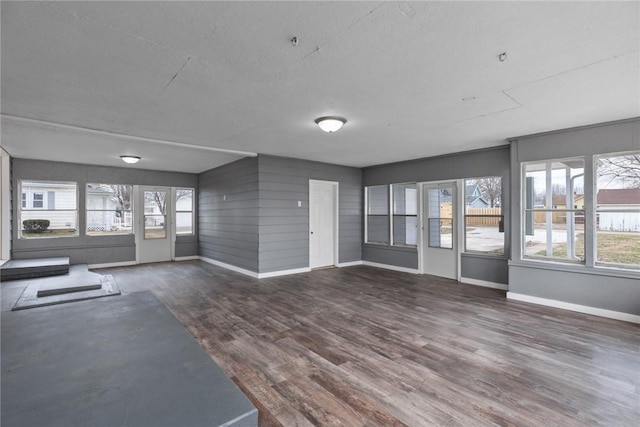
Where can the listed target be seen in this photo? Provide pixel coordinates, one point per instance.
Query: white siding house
(55, 201)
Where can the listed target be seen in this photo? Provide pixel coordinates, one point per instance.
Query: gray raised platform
(112, 362)
(79, 279)
(18, 269)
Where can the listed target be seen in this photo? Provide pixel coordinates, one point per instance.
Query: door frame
(458, 222)
(336, 219)
(138, 217)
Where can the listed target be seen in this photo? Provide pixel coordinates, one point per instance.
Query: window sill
(484, 255)
(411, 249)
(578, 269)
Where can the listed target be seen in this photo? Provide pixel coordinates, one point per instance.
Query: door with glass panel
(439, 233)
(154, 218)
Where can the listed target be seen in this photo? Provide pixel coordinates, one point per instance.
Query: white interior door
(439, 243)
(154, 232)
(323, 223)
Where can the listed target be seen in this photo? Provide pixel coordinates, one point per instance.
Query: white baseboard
(253, 273)
(349, 264)
(229, 267)
(391, 267)
(112, 264)
(484, 283)
(283, 272)
(633, 318)
(186, 258)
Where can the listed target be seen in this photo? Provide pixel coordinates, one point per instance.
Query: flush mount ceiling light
(130, 159)
(330, 123)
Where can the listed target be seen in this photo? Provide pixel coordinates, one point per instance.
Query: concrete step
(79, 279)
(18, 269)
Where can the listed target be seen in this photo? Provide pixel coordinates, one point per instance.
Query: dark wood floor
(364, 346)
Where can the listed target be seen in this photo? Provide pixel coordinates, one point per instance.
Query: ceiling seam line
(124, 136)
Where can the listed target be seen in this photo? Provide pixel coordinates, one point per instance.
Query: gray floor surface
(122, 361)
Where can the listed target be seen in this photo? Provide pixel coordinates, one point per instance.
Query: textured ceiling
(413, 79)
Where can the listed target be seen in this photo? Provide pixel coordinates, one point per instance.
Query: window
(405, 214)
(38, 200)
(377, 224)
(440, 217)
(617, 237)
(48, 209)
(184, 211)
(109, 209)
(484, 230)
(553, 223)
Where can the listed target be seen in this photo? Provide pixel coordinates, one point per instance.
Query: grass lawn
(622, 248)
(51, 233)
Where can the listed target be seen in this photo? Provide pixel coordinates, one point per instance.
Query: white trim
(5, 206)
(229, 267)
(283, 272)
(627, 317)
(486, 284)
(112, 264)
(391, 267)
(125, 137)
(186, 258)
(349, 264)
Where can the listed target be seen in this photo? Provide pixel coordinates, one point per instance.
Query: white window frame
(392, 215)
(192, 211)
(388, 215)
(45, 207)
(464, 219)
(87, 210)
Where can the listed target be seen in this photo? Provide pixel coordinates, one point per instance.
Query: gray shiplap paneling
(284, 227)
(228, 214)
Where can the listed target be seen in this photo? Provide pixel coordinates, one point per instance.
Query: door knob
(312, 232)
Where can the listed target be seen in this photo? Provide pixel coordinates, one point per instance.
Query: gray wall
(284, 227)
(84, 249)
(593, 286)
(472, 164)
(259, 227)
(228, 214)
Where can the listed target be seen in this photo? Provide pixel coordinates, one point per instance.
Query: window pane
(554, 185)
(378, 214)
(618, 210)
(155, 227)
(109, 209)
(483, 235)
(378, 229)
(440, 233)
(405, 230)
(483, 215)
(184, 211)
(184, 223)
(48, 209)
(405, 211)
(378, 200)
(557, 235)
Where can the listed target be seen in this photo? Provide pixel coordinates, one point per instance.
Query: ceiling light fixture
(330, 123)
(130, 159)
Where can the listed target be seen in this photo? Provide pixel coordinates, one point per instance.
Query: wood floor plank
(364, 346)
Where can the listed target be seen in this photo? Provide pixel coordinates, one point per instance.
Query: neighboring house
(53, 201)
(473, 197)
(559, 201)
(103, 210)
(619, 209)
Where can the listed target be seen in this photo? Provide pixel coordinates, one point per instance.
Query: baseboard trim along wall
(391, 267)
(484, 283)
(575, 307)
(349, 264)
(186, 258)
(229, 267)
(112, 264)
(283, 272)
